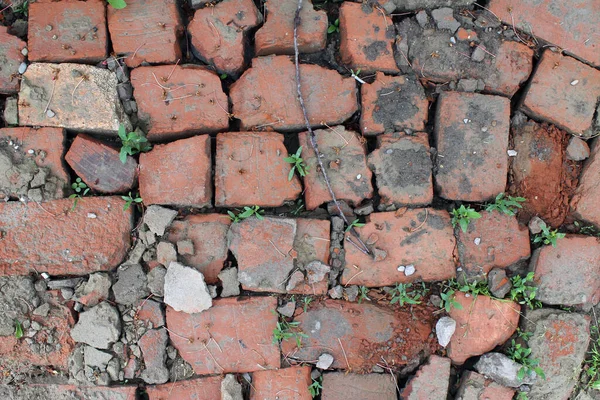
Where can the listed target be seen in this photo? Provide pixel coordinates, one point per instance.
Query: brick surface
(585, 201)
(421, 237)
(146, 31)
(219, 33)
(99, 166)
(344, 158)
(341, 386)
(311, 244)
(475, 386)
(242, 328)
(568, 26)
(10, 48)
(392, 103)
(402, 166)
(193, 101)
(178, 173)
(150, 311)
(266, 95)
(568, 274)
(66, 392)
(512, 66)
(152, 344)
(471, 134)
(430, 382)
(292, 383)
(250, 170)
(208, 387)
(502, 242)
(482, 324)
(366, 332)
(366, 38)
(59, 241)
(276, 36)
(67, 31)
(564, 92)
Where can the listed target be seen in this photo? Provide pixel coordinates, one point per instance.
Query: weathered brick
(10, 48)
(276, 36)
(344, 158)
(420, 237)
(430, 382)
(481, 324)
(56, 239)
(512, 66)
(150, 311)
(402, 166)
(67, 31)
(208, 387)
(568, 274)
(179, 101)
(153, 344)
(585, 203)
(366, 38)
(564, 92)
(365, 332)
(146, 31)
(178, 173)
(292, 383)
(342, 386)
(250, 170)
(242, 329)
(311, 244)
(208, 233)
(59, 392)
(475, 386)
(99, 166)
(219, 32)
(571, 26)
(266, 95)
(471, 134)
(392, 103)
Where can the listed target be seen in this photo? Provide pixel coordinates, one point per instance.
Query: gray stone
(11, 111)
(478, 54)
(154, 348)
(131, 284)
(325, 360)
(351, 292)
(135, 255)
(95, 289)
(287, 310)
(422, 18)
(498, 284)
(444, 19)
(113, 368)
(99, 327)
(156, 281)
(444, 329)
(231, 389)
(96, 358)
(535, 225)
(180, 369)
(165, 253)
(67, 293)
(185, 289)
(125, 90)
(22, 68)
(42, 310)
(503, 370)
(296, 278)
(365, 209)
(467, 85)
(196, 4)
(185, 247)
(64, 283)
(336, 292)
(316, 271)
(158, 219)
(230, 282)
(15, 293)
(409, 5)
(212, 289)
(578, 149)
(76, 364)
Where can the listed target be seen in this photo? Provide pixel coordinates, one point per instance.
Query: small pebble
(30, 151)
(401, 268)
(358, 176)
(409, 270)
(48, 28)
(389, 151)
(22, 68)
(512, 153)
(466, 120)
(453, 40)
(25, 51)
(575, 82)
(50, 114)
(484, 129)
(54, 37)
(91, 215)
(477, 241)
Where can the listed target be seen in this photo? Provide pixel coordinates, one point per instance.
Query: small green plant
(522, 396)
(362, 294)
(354, 224)
(117, 4)
(297, 164)
(593, 361)
(306, 302)
(316, 386)
(475, 288)
(462, 216)
(356, 76)
(522, 355)
(22, 9)
(129, 200)
(247, 213)
(334, 27)
(81, 189)
(298, 208)
(505, 204)
(548, 236)
(18, 329)
(589, 230)
(131, 144)
(523, 290)
(285, 330)
(223, 76)
(406, 293)
(447, 296)
(524, 335)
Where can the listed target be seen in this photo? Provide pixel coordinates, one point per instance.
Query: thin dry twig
(353, 276)
(345, 357)
(173, 70)
(213, 357)
(275, 247)
(136, 50)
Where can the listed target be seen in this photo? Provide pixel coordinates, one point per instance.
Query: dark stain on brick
(375, 49)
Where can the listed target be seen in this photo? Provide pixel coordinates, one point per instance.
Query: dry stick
(213, 357)
(343, 351)
(136, 50)
(173, 70)
(7, 7)
(313, 141)
(51, 95)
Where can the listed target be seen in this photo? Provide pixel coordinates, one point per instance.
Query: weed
(354, 224)
(548, 236)
(297, 164)
(22, 9)
(589, 230)
(593, 362)
(405, 293)
(306, 302)
(447, 296)
(462, 216)
(117, 4)
(223, 76)
(81, 189)
(247, 213)
(524, 334)
(316, 386)
(522, 396)
(285, 331)
(299, 207)
(362, 294)
(356, 76)
(505, 204)
(475, 288)
(335, 27)
(132, 143)
(129, 200)
(521, 354)
(523, 290)
(18, 330)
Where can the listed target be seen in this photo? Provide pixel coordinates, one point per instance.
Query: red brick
(208, 232)
(242, 329)
(55, 391)
(291, 383)
(311, 244)
(512, 66)
(153, 344)
(366, 38)
(502, 243)
(266, 95)
(402, 167)
(219, 33)
(421, 237)
(178, 173)
(564, 92)
(60, 241)
(585, 201)
(430, 382)
(392, 103)
(10, 48)
(472, 162)
(365, 332)
(344, 156)
(67, 31)
(481, 324)
(150, 311)
(99, 166)
(48, 145)
(568, 274)
(571, 26)
(250, 170)
(476, 387)
(146, 31)
(193, 103)
(341, 386)
(276, 36)
(208, 387)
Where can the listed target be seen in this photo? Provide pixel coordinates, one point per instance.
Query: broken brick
(430, 382)
(208, 387)
(55, 391)
(585, 203)
(294, 382)
(344, 386)
(10, 48)
(475, 386)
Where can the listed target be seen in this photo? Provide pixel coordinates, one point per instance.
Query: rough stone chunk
(444, 19)
(158, 219)
(208, 387)
(48, 98)
(471, 133)
(430, 382)
(270, 384)
(131, 284)
(341, 386)
(99, 327)
(230, 282)
(94, 290)
(504, 370)
(99, 166)
(178, 173)
(266, 95)
(474, 386)
(11, 58)
(409, 5)
(185, 289)
(276, 36)
(153, 345)
(577, 150)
